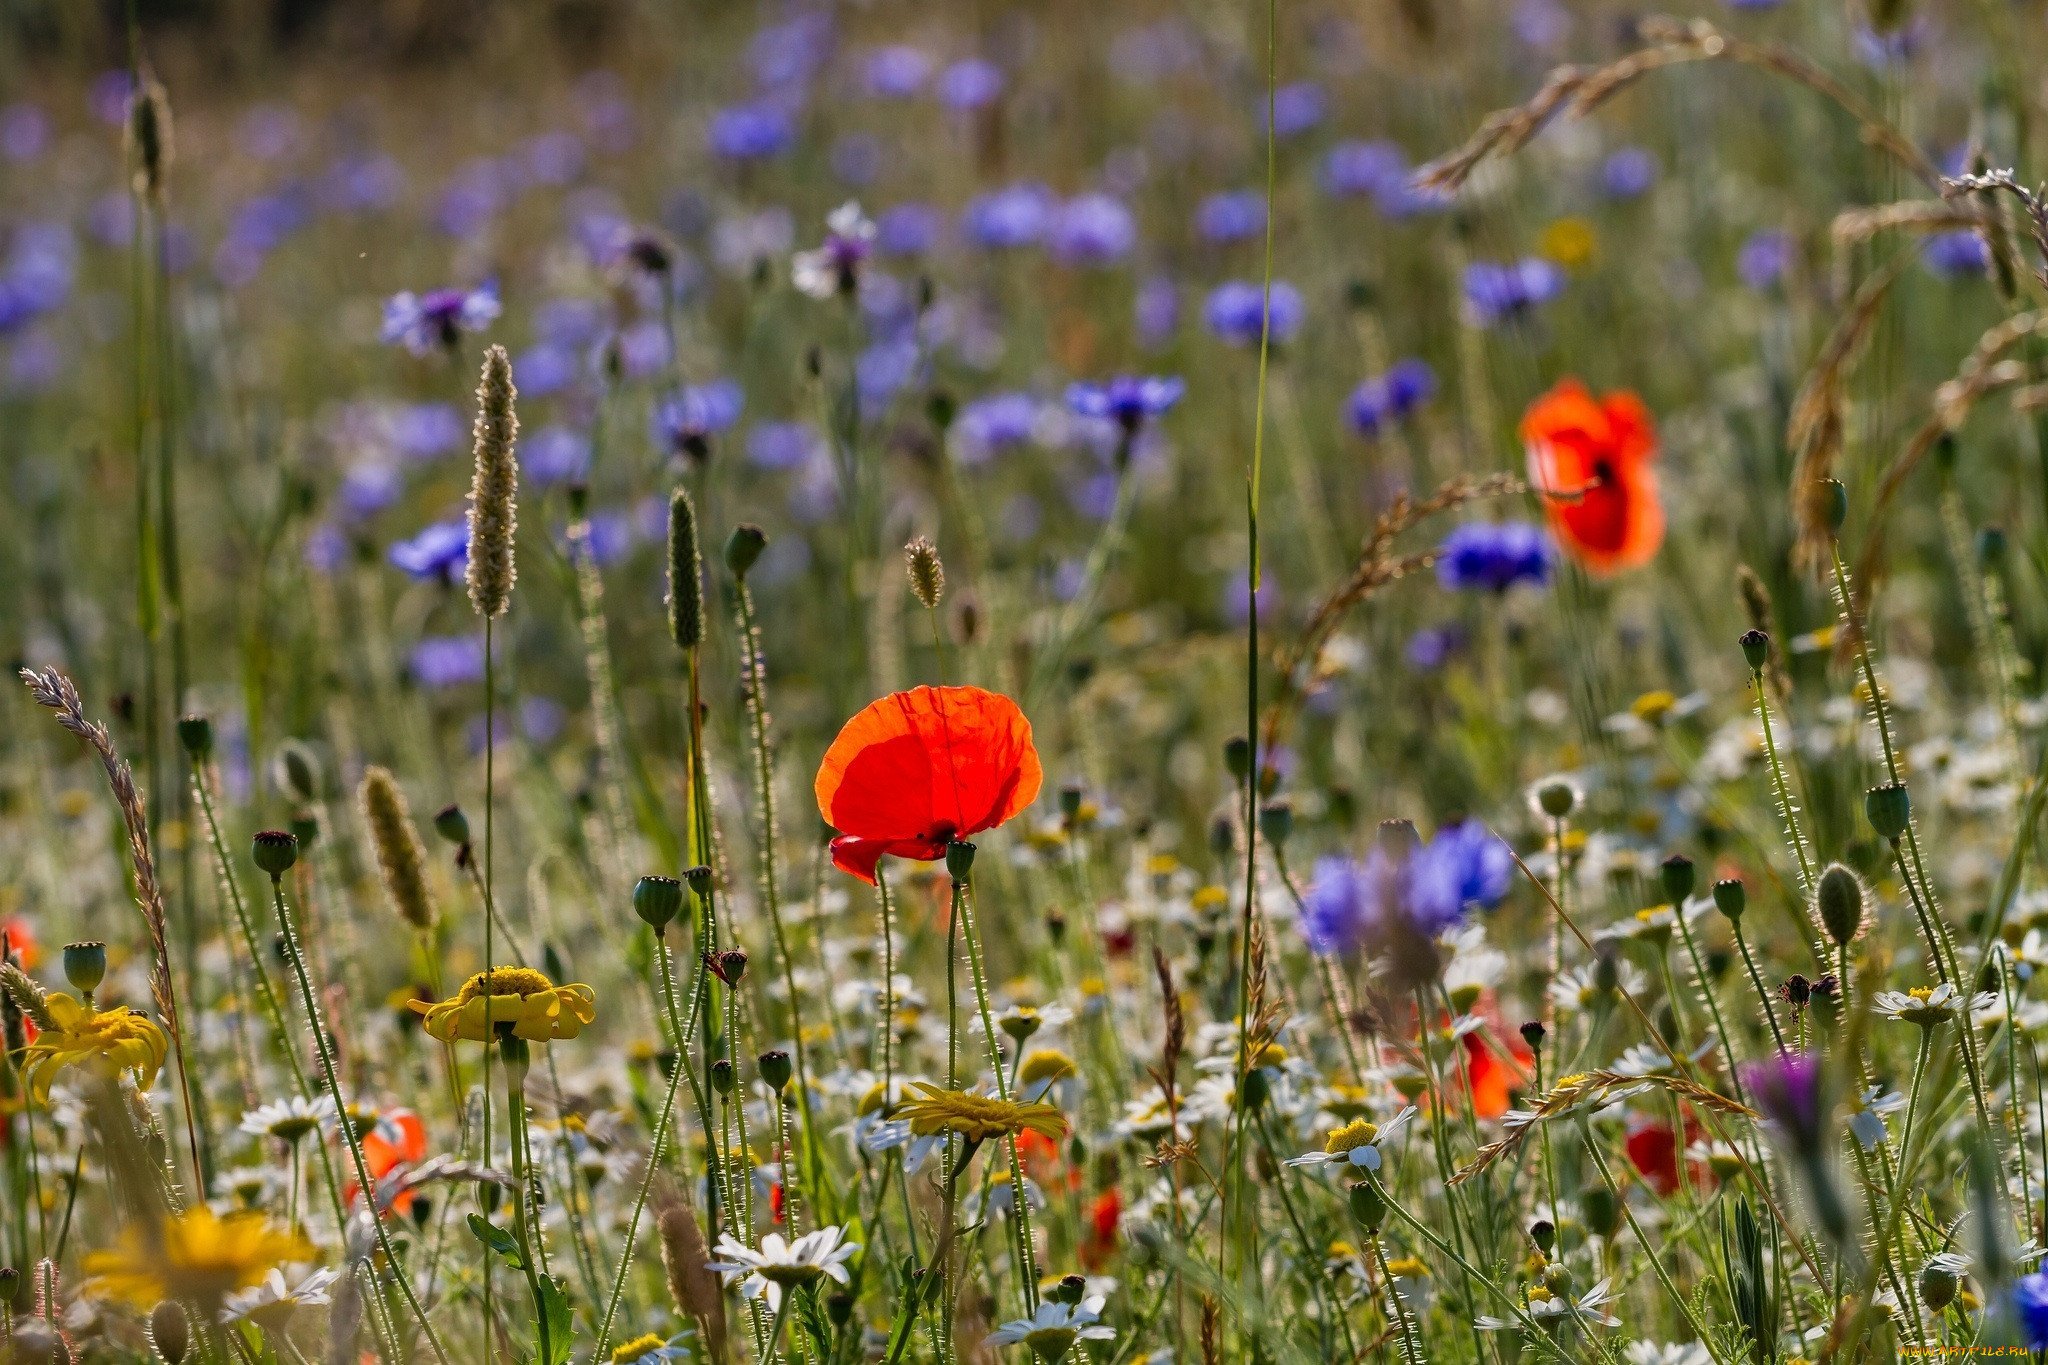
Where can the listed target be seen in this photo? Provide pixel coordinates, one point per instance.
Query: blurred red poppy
(20, 941)
(1104, 1217)
(1593, 461)
(916, 770)
(397, 1138)
(1493, 1079)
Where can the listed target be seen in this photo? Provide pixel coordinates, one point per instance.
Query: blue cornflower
(751, 132)
(1296, 108)
(1157, 310)
(1764, 259)
(1494, 556)
(1386, 399)
(897, 71)
(970, 84)
(783, 445)
(685, 421)
(1232, 216)
(1235, 311)
(1464, 865)
(1362, 168)
(1954, 255)
(1127, 400)
(554, 455)
(545, 369)
(2030, 1306)
(1014, 216)
(1092, 229)
(369, 486)
(907, 230)
(989, 426)
(447, 661)
(1345, 904)
(1432, 647)
(440, 551)
(1497, 291)
(438, 318)
(1628, 173)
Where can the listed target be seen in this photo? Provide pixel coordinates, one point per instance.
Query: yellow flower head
(1407, 1268)
(518, 1000)
(1570, 242)
(1654, 707)
(628, 1351)
(104, 1042)
(1353, 1135)
(977, 1117)
(196, 1256)
(1044, 1066)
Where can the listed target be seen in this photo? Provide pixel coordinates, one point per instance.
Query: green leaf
(554, 1307)
(497, 1239)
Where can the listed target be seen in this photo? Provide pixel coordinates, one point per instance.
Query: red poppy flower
(397, 1138)
(916, 770)
(1652, 1151)
(1593, 460)
(1104, 1217)
(1493, 1080)
(20, 941)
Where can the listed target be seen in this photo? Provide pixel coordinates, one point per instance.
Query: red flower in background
(1653, 1152)
(20, 941)
(1104, 1217)
(1492, 1078)
(397, 1138)
(916, 770)
(1593, 462)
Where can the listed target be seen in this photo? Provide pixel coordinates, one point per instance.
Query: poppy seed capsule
(1730, 898)
(927, 574)
(657, 901)
(1888, 809)
(743, 548)
(774, 1066)
(451, 824)
(170, 1331)
(494, 488)
(1533, 1033)
(1678, 879)
(1368, 1205)
(1070, 1289)
(959, 860)
(1600, 1210)
(1839, 897)
(1756, 649)
(1557, 797)
(1937, 1286)
(1543, 1233)
(195, 733)
(85, 966)
(1831, 500)
(1276, 822)
(1237, 757)
(721, 1075)
(685, 573)
(275, 851)
(699, 880)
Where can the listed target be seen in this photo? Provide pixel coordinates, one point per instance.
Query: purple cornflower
(421, 431)
(447, 661)
(1464, 865)
(362, 183)
(970, 84)
(554, 455)
(545, 369)
(25, 132)
(1363, 168)
(1628, 173)
(1344, 905)
(1788, 1091)
(685, 421)
(1296, 108)
(1384, 400)
(1014, 216)
(896, 72)
(1896, 47)
(908, 230)
(1092, 229)
(2030, 1307)
(1236, 310)
(1954, 255)
(1232, 216)
(751, 132)
(1764, 259)
(1494, 556)
(992, 425)
(1432, 647)
(783, 445)
(439, 317)
(369, 486)
(1127, 400)
(834, 267)
(1158, 311)
(1499, 291)
(438, 552)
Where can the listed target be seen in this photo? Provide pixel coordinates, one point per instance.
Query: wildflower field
(783, 681)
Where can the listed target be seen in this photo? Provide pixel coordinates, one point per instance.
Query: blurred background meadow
(987, 279)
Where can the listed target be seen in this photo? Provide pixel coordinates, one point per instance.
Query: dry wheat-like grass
(1587, 1087)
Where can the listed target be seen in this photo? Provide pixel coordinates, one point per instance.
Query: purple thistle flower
(1494, 556)
(438, 318)
(1236, 310)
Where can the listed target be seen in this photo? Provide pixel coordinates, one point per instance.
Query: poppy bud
(721, 1075)
(657, 901)
(1256, 1089)
(1937, 1286)
(451, 824)
(1832, 502)
(1276, 822)
(196, 734)
(1070, 1289)
(275, 852)
(1071, 797)
(1888, 808)
(1368, 1205)
(1839, 897)
(959, 860)
(170, 1331)
(296, 771)
(1399, 838)
(1556, 798)
(1678, 878)
(1731, 899)
(743, 548)
(774, 1066)
(927, 574)
(699, 879)
(1756, 649)
(1237, 757)
(1543, 1233)
(85, 966)
(1600, 1210)
(839, 1307)
(1533, 1033)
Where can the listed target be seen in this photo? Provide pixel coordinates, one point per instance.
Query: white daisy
(1052, 1331)
(781, 1265)
(270, 1305)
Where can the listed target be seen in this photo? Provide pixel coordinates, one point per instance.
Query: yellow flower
(516, 999)
(1407, 1268)
(1357, 1133)
(1570, 242)
(196, 1256)
(628, 1351)
(105, 1042)
(1654, 707)
(977, 1117)
(1045, 1066)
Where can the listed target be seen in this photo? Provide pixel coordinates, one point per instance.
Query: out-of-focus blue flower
(109, 95)
(612, 536)
(37, 274)
(440, 661)
(644, 349)
(788, 54)
(553, 455)
(1128, 400)
(544, 369)
(858, 158)
(370, 486)
(684, 422)
(908, 229)
(1014, 216)
(1386, 399)
(421, 431)
(1237, 597)
(783, 445)
(748, 243)
(1236, 310)
(1092, 229)
(1362, 168)
(1628, 172)
(35, 362)
(1494, 556)
(970, 84)
(1788, 1090)
(1432, 647)
(362, 183)
(1232, 216)
(751, 132)
(896, 72)
(269, 131)
(555, 158)
(990, 426)
(569, 321)
(1542, 24)
(882, 371)
(1296, 108)
(1754, 4)
(1464, 865)
(1956, 254)
(326, 549)
(1500, 291)
(1764, 259)
(1893, 48)
(438, 318)
(1344, 905)
(438, 552)
(25, 132)
(2030, 1309)
(1158, 311)
(472, 199)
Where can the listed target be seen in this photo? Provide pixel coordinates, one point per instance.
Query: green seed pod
(1543, 1233)
(170, 1331)
(959, 860)
(1678, 878)
(1730, 898)
(275, 852)
(1889, 810)
(1600, 1210)
(743, 548)
(1368, 1205)
(1839, 898)
(1556, 798)
(775, 1069)
(451, 824)
(195, 733)
(657, 901)
(85, 966)
(1276, 822)
(1756, 649)
(1938, 1286)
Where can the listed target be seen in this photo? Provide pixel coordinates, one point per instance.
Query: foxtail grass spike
(494, 494)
